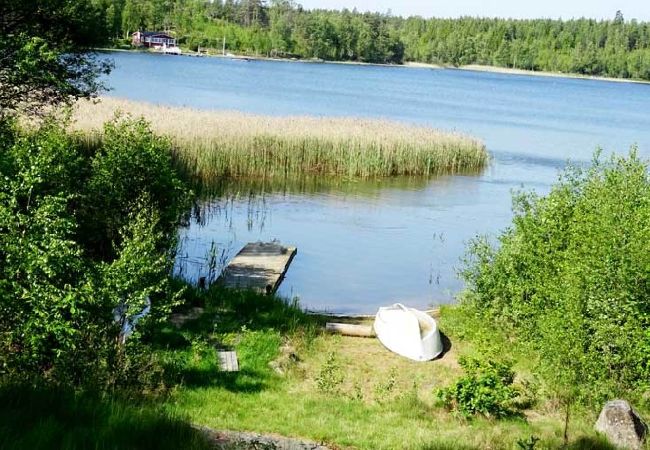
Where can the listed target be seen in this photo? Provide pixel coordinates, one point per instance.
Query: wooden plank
(347, 329)
(258, 266)
(435, 313)
(228, 361)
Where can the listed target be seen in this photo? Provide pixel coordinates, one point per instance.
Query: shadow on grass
(228, 310)
(446, 345)
(244, 321)
(245, 381)
(40, 418)
(583, 443)
(591, 443)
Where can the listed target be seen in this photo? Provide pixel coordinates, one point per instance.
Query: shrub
(384, 390)
(528, 444)
(57, 298)
(486, 389)
(130, 163)
(330, 377)
(569, 278)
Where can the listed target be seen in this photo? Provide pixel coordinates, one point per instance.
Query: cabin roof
(154, 34)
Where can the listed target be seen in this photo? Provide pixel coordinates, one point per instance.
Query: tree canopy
(44, 56)
(615, 48)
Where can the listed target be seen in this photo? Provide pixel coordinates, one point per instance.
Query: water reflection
(361, 244)
(229, 188)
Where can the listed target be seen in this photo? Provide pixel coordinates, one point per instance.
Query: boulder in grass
(622, 425)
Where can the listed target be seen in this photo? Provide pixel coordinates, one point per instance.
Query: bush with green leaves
(570, 279)
(330, 377)
(130, 163)
(57, 293)
(485, 389)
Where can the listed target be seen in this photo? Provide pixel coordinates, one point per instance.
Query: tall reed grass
(215, 144)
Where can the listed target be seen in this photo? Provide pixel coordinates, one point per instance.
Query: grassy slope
(382, 402)
(376, 399)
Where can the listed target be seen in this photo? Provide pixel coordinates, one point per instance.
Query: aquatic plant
(209, 145)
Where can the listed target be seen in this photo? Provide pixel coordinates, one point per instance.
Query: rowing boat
(408, 332)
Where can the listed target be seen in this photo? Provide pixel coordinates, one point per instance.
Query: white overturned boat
(408, 332)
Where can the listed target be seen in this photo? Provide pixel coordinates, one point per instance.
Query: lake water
(369, 243)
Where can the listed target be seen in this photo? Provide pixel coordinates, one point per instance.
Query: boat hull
(408, 332)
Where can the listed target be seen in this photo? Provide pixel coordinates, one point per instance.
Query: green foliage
(43, 285)
(569, 279)
(330, 377)
(584, 46)
(42, 53)
(57, 298)
(615, 48)
(486, 389)
(132, 168)
(528, 444)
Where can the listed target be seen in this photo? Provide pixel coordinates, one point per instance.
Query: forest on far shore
(282, 28)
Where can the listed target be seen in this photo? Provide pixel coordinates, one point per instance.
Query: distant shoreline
(535, 73)
(408, 65)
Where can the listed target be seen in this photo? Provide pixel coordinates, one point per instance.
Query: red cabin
(152, 39)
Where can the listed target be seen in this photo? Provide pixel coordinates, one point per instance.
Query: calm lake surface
(369, 243)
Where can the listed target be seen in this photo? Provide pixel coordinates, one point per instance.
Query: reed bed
(215, 144)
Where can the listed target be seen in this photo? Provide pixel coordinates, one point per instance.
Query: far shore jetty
(210, 144)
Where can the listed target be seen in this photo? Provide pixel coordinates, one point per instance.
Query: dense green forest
(616, 48)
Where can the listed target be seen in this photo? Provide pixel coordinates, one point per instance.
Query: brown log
(347, 329)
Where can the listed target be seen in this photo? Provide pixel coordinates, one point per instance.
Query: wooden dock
(258, 266)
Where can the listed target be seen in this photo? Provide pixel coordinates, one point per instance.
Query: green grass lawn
(345, 392)
(294, 381)
(46, 418)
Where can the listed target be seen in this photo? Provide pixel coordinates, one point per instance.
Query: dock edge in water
(259, 266)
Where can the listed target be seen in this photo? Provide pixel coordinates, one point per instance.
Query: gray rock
(235, 440)
(622, 425)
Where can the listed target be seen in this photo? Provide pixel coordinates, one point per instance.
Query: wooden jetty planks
(258, 266)
(228, 361)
